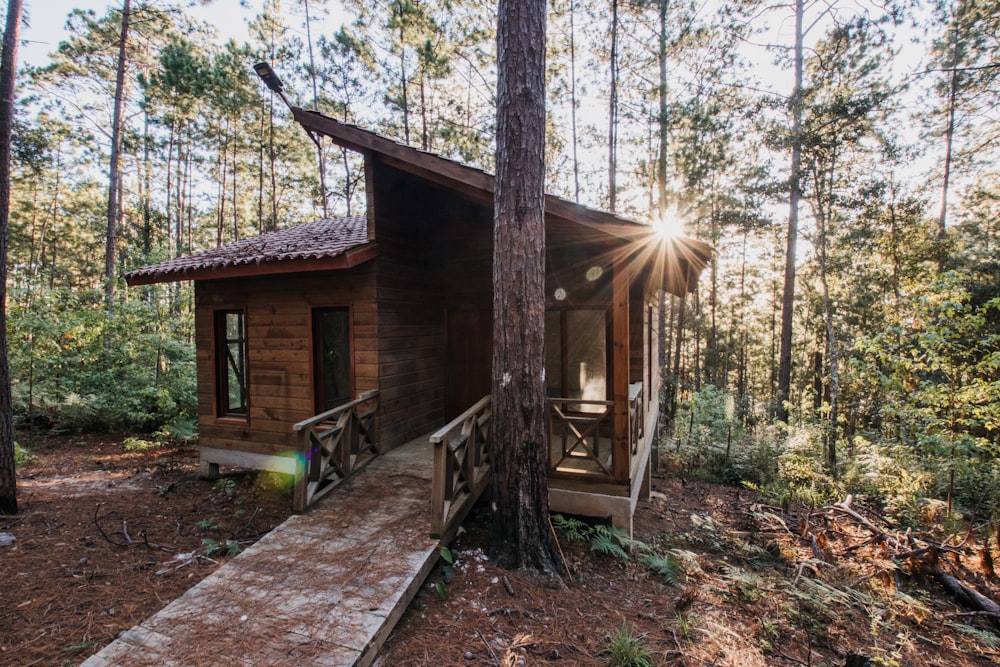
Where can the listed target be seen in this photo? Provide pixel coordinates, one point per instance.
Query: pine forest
(842, 158)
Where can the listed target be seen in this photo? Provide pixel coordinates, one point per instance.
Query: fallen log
(965, 592)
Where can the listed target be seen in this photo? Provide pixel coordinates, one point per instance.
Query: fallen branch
(962, 590)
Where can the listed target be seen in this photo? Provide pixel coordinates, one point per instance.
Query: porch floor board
(323, 588)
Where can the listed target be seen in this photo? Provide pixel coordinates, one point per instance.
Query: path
(323, 588)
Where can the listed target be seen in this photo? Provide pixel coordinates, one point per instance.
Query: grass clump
(626, 648)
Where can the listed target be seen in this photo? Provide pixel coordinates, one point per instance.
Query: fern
(983, 636)
(666, 565)
(609, 541)
(574, 529)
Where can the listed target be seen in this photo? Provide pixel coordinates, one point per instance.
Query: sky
(47, 22)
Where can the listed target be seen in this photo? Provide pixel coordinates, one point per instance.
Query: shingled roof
(332, 243)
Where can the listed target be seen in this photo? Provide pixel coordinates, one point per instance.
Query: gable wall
(279, 351)
(431, 257)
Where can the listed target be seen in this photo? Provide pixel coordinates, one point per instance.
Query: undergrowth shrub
(75, 368)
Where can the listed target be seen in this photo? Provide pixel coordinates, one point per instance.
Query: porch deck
(323, 588)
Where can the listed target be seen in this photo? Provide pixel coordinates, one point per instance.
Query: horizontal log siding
(279, 351)
(431, 257)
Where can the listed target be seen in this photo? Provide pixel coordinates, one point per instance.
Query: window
(231, 363)
(576, 355)
(332, 362)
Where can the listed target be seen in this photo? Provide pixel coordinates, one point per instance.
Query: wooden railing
(332, 446)
(575, 431)
(461, 467)
(636, 414)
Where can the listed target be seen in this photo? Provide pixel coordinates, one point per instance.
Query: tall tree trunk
(572, 98)
(788, 293)
(320, 154)
(147, 194)
(662, 119)
(831, 352)
(402, 79)
(521, 536)
(114, 192)
(613, 112)
(8, 68)
(425, 142)
(661, 199)
(949, 134)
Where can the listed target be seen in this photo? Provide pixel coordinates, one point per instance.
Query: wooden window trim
(220, 368)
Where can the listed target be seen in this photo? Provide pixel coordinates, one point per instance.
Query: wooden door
(332, 365)
(470, 358)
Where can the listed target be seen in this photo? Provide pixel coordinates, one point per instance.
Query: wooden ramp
(323, 588)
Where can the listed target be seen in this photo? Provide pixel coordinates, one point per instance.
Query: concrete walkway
(323, 588)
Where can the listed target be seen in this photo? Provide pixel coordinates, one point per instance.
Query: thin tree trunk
(662, 120)
(113, 181)
(223, 171)
(147, 194)
(948, 138)
(788, 292)
(613, 112)
(8, 69)
(572, 98)
(402, 78)
(521, 536)
(320, 154)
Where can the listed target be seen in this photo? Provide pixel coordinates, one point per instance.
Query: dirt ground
(106, 537)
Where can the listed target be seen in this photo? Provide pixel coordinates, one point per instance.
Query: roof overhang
(346, 260)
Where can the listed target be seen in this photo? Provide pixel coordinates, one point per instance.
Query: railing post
(301, 479)
(437, 489)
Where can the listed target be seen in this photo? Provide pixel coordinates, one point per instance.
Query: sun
(668, 226)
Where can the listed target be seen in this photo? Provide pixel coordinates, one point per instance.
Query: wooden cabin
(341, 339)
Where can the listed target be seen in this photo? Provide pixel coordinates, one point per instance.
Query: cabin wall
(279, 352)
(431, 247)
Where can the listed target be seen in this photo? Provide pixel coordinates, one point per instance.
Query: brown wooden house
(377, 330)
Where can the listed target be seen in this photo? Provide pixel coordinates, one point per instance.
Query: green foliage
(208, 525)
(133, 444)
(21, 455)
(936, 376)
(614, 542)
(572, 528)
(224, 548)
(441, 588)
(225, 486)
(609, 541)
(667, 565)
(602, 538)
(984, 637)
(625, 648)
(706, 428)
(84, 644)
(78, 369)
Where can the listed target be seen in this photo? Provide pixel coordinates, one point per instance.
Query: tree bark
(788, 293)
(521, 536)
(949, 136)
(8, 67)
(320, 154)
(114, 192)
(572, 98)
(613, 112)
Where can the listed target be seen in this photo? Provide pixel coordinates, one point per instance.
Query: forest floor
(106, 537)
